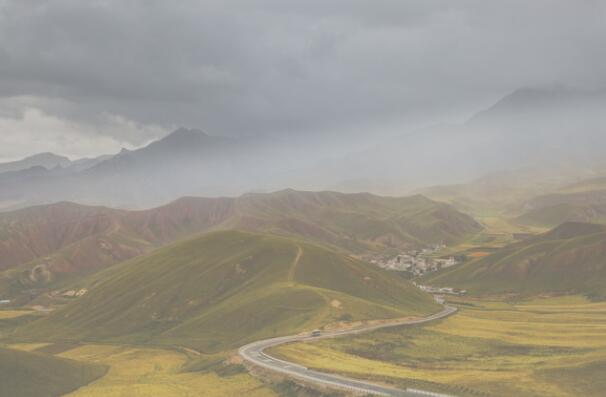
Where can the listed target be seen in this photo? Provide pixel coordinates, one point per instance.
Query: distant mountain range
(44, 246)
(45, 160)
(52, 162)
(527, 128)
(186, 162)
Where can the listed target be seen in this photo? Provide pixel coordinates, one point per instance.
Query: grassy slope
(226, 288)
(142, 371)
(582, 201)
(354, 221)
(568, 259)
(500, 192)
(42, 231)
(47, 247)
(545, 348)
(26, 374)
(554, 215)
(585, 185)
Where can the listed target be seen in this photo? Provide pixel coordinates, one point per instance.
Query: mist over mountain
(46, 160)
(526, 128)
(313, 198)
(581, 201)
(549, 127)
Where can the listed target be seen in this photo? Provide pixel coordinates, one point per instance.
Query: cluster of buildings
(417, 262)
(441, 290)
(72, 293)
(75, 294)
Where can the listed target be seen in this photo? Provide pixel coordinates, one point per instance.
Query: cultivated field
(154, 372)
(7, 314)
(91, 370)
(27, 374)
(150, 372)
(552, 347)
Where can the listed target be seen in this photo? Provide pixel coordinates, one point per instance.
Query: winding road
(254, 354)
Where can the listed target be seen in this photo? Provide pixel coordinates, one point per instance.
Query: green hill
(570, 204)
(24, 374)
(585, 185)
(357, 222)
(555, 215)
(44, 248)
(567, 259)
(227, 288)
(503, 191)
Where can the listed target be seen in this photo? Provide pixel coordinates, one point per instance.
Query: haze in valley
(312, 198)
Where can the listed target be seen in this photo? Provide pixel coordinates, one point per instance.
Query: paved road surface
(254, 353)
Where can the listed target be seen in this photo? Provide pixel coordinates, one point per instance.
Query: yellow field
(498, 232)
(496, 223)
(548, 347)
(142, 372)
(478, 254)
(6, 314)
(27, 347)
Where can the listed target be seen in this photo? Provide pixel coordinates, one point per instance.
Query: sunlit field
(498, 232)
(141, 372)
(7, 314)
(546, 347)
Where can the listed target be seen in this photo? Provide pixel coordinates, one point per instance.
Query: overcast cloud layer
(87, 77)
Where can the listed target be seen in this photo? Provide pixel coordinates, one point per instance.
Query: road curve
(254, 354)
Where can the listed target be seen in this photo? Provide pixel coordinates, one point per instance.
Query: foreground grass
(150, 372)
(8, 314)
(549, 347)
(131, 371)
(25, 374)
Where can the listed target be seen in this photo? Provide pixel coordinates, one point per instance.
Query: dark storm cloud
(239, 67)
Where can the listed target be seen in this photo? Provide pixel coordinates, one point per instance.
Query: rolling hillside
(42, 248)
(356, 222)
(504, 190)
(24, 374)
(571, 204)
(567, 259)
(45, 245)
(38, 232)
(585, 185)
(226, 288)
(554, 215)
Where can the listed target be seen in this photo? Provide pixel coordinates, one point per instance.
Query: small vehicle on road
(316, 332)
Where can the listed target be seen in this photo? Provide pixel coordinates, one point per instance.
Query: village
(441, 290)
(417, 262)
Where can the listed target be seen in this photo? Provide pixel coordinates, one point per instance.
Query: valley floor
(552, 347)
(139, 371)
(147, 372)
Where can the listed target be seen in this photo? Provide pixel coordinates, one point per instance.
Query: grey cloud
(240, 67)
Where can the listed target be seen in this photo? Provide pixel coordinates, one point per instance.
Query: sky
(83, 78)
